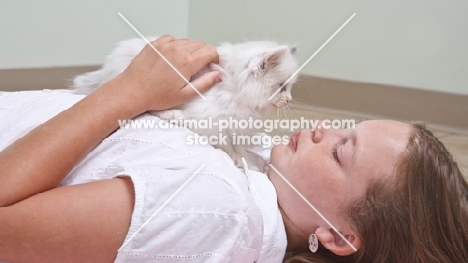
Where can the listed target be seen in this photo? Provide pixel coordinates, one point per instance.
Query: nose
(323, 131)
(317, 134)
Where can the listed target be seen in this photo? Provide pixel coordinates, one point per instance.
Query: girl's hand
(150, 83)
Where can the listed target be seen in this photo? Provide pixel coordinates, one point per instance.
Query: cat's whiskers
(306, 80)
(280, 113)
(287, 110)
(283, 113)
(294, 110)
(297, 104)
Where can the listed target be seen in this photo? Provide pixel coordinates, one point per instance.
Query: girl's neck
(297, 241)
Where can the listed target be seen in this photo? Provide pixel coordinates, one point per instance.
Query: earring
(313, 243)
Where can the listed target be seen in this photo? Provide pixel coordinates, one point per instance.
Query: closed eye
(335, 153)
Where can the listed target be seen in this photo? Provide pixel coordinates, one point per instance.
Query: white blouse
(223, 214)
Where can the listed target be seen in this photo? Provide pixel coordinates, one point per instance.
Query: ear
(333, 242)
(293, 50)
(273, 57)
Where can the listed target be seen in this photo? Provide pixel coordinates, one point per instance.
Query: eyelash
(335, 153)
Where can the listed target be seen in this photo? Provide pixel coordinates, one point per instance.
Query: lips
(294, 139)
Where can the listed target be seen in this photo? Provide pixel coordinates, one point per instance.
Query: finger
(159, 42)
(180, 42)
(205, 55)
(194, 46)
(202, 84)
(165, 39)
(191, 46)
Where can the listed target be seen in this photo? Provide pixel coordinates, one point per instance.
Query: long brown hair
(423, 218)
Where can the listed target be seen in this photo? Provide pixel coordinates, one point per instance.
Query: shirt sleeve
(211, 220)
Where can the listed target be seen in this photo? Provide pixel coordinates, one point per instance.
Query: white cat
(252, 72)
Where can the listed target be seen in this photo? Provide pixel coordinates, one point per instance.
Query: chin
(276, 154)
(270, 107)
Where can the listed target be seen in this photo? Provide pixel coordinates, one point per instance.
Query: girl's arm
(41, 159)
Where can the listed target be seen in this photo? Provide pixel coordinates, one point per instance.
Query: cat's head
(260, 70)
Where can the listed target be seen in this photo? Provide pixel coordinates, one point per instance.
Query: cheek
(303, 178)
(281, 157)
(309, 171)
(297, 210)
(314, 173)
(297, 172)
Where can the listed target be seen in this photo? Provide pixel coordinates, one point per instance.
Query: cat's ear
(293, 50)
(273, 58)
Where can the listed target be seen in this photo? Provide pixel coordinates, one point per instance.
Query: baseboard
(365, 100)
(444, 111)
(40, 78)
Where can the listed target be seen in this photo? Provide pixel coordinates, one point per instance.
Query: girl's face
(332, 168)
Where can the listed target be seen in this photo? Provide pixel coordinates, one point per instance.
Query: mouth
(294, 139)
(280, 104)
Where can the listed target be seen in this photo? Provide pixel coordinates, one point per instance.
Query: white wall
(418, 43)
(53, 33)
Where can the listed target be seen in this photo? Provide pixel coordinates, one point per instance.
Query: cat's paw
(216, 67)
(169, 114)
(236, 158)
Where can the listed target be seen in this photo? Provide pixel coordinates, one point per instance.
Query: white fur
(251, 72)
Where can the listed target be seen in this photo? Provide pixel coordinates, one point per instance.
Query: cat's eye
(283, 89)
